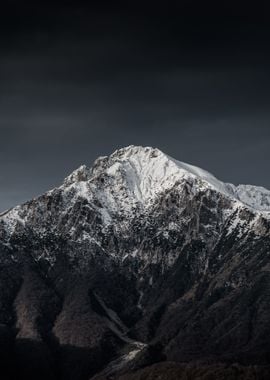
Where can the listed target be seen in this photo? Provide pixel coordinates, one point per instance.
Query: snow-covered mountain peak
(138, 174)
(137, 238)
(146, 172)
(138, 184)
(132, 177)
(150, 166)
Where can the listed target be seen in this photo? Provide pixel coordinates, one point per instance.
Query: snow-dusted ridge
(138, 248)
(131, 179)
(146, 172)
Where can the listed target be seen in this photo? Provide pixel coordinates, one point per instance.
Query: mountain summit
(140, 259)
(147, 171)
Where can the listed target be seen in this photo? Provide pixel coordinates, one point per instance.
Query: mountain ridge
(131, 150)
(133, 262)
(241, 192)
(127, 166)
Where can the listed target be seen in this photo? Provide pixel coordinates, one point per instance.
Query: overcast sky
(77, 82)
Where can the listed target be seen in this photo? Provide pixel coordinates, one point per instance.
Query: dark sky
(79, 81)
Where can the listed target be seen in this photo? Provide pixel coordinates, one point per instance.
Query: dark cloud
(79, 81)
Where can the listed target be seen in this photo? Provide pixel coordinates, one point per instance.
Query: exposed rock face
(136, 260)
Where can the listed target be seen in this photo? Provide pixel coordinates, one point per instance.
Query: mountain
(138, 267)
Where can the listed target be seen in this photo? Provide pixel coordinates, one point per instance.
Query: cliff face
(136, 260)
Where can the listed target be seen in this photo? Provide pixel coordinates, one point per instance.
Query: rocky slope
(138, 260)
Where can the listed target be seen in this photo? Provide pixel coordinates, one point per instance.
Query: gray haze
(66, 99)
